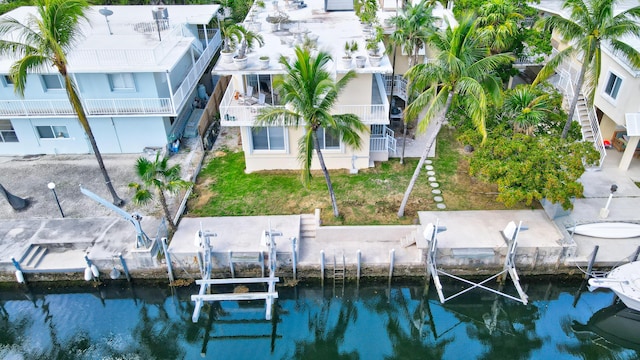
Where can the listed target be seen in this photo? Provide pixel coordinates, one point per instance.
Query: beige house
(367, 96)
(614, 120)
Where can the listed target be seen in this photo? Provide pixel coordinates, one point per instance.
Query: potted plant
(276, 19)
(246, 44)
(373, 46)
(361, 61)
(349, 48)
(367, 12)
(231, 36)
(264, 62)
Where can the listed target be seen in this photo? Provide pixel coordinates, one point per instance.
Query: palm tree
(309, 93)
(463, 70)
(499, 21)
(42, 41)
(527, 108)
(412, 30)
(157, 177)
(591, 23)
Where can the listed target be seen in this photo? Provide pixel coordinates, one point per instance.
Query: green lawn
(370, 197)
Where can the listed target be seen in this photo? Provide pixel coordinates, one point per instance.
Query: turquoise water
(373, 322)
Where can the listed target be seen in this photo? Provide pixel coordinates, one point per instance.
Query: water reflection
(403, 322)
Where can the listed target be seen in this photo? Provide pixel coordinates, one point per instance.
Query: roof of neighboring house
(555, 7)
(127, 40)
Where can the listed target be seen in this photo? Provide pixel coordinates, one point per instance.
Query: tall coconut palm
(413, 27)
(42, 41)
(157, 176)
(499, 21)
(309, 93)
(527, 108)
(463, 70)
(591, 23)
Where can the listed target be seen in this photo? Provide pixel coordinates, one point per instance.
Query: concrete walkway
(90, 229)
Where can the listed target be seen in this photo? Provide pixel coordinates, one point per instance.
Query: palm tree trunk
(334, 204)
(574, 102)
(425, 153)
(72, 94)
(165, 208)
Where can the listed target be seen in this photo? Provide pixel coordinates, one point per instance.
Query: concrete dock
(42, 241)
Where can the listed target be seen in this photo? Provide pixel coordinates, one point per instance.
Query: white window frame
(323, 141)
(620, 81)
(60, 132)
(285, 136)
(122, 82)
(47, 88)
(5, 131)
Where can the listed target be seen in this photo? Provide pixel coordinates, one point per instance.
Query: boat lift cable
(510, 233)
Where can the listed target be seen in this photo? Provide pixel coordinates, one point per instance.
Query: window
(613, 86)
(52, 132)
(121, 82)
(268, 138)
(328, 140)
(7, 133)
(8, 81)
(52, 82)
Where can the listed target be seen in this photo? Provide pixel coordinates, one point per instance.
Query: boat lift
(142, 240)
(510, 233)
(204, 239)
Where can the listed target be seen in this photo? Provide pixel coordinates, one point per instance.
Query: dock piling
(124, 267)
(392, 256)
(592, 261)
(167, 257)
(322, 267)
(358, 264)
(294, 259)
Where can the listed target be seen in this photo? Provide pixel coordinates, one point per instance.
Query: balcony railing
(399, 88)
(195, 73)
(92, 107)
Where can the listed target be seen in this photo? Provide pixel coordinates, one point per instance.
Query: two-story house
(139, 71)
(276, 147)
(615, 117)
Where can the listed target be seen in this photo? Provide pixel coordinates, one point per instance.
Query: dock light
(604, 212)
(52, 187)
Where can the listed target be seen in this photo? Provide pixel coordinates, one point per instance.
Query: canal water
(561, 321)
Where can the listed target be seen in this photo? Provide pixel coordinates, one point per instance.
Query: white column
(627, 156)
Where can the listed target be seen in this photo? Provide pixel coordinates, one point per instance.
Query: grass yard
(370, 197)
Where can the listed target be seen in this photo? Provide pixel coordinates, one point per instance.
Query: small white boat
(607, 230)
(624, 281)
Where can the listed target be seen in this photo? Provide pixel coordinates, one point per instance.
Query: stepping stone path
(434, 184)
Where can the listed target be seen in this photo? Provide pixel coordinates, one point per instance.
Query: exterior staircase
(589, 127)
(307, 227)
(33, 256)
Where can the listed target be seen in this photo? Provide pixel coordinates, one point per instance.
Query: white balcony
(92, 107)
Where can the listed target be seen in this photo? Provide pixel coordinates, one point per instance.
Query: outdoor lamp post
(604, 212)
(52, 187)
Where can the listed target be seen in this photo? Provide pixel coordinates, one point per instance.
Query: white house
(139, 72)
(615, 116)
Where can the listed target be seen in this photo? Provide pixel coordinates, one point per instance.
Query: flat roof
(332, 28)
(130, 33)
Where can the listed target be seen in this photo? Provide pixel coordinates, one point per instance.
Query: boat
(624, 281)
(617, 324)
(607, 230)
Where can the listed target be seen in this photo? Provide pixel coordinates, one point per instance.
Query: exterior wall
(180, 70)
(288, 159)
(627, 101)
(113, 135)
(34, 89)
(97, 86)
(607, 127)
(357, 91)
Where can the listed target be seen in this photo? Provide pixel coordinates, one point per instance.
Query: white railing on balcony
(382, 139)
(399, 88)
(195, 73)
(92, 107)
(127, 106)
(368, 114)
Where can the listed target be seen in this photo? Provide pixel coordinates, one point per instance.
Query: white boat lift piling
(511, 235)
(206, 282)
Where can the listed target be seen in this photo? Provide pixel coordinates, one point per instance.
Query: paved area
(89, 228)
